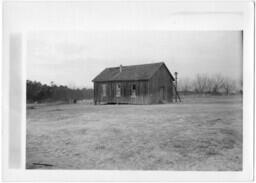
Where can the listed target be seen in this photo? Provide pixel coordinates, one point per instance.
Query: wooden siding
(126, 92)
(161, 79)
(158, 89)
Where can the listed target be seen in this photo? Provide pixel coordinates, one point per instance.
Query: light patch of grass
(198, 134)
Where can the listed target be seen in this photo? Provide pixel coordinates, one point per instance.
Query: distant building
(136, 84)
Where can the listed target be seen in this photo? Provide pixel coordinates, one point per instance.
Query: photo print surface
(134, 100)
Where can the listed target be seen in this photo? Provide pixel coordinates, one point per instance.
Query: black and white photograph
(149, 100)
(127, 93)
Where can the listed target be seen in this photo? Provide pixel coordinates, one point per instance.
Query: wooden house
(136, 84)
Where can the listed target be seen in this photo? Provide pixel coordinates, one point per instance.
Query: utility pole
(176, 88)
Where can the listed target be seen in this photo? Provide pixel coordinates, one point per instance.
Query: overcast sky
(74, 58)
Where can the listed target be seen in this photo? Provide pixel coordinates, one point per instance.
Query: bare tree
(217, 83)
(185, 85)
(214, 84)
(209, 85)
(200, 83)
(229, 85)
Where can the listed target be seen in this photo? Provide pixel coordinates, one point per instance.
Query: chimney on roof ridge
(121, 68)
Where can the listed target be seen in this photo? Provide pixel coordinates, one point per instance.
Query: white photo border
(185, 16)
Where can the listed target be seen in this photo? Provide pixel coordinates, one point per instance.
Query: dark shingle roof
(129, 73)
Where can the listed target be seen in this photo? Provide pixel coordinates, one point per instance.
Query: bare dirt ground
(202, 133)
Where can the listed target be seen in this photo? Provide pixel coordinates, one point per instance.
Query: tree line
(214, 85)
(38, 92)
(200, 84)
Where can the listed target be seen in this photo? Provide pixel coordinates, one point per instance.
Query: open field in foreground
(198, 134)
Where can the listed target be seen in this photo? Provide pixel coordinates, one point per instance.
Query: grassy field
(201, 133)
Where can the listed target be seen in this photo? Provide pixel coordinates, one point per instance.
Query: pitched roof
(130, 73)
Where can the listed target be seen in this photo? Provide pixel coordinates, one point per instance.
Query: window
(104, 90)
(118, 90)
(134, 90)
